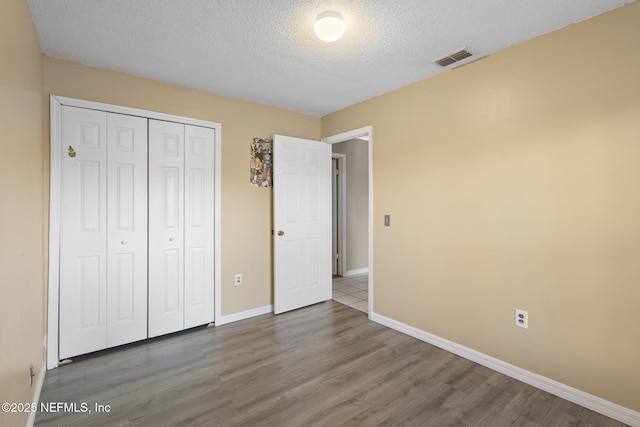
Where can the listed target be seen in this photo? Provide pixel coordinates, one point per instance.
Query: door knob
(171, 239)
(280, 233)
(124, 242)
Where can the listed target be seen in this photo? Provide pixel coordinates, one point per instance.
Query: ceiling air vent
(453, 58)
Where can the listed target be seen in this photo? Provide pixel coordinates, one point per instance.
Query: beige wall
(246, 210)
(22, 217)
(357, 249)
(513, 183)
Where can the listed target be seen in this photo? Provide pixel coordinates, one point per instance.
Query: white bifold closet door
(199, 226)
(181, 226)
(103, 231)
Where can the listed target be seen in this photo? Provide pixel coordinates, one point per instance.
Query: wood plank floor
(322, 365)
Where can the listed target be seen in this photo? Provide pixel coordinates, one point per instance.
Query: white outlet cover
(522, 319)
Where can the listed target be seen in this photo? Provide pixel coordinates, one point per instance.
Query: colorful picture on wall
(261, 163)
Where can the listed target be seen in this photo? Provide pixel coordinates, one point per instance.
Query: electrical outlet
(522, 319)
(238, 280)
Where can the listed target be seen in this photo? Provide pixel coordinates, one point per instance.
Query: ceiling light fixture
(329, 26)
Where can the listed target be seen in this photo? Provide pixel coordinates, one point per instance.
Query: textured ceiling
(266, 52)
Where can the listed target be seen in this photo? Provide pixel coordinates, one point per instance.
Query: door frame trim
(367, 132)
(342, 211)
(53, 281)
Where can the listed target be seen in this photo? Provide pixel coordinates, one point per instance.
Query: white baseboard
(36, 394)
(356, 272)
(589, 401)
(229, 318)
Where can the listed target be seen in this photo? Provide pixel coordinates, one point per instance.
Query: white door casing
(339, 195)
(334, 217)
(166, 230)
(198, 227)
(302, 221)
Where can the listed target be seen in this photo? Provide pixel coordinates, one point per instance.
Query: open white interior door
(302, 222)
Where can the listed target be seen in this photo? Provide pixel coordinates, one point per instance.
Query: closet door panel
(199, 225)
(127, 229)
(83, 232)
(166, 229)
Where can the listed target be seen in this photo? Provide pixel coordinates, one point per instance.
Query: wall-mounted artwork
(261, 163)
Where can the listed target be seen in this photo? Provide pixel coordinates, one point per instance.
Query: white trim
(217, 244)
(356, 272)
(54, 236)
(342, 211)
(82, 103)
(56, 102)
(589, 401)
(242, 315)
(36, 394)
(367, 132)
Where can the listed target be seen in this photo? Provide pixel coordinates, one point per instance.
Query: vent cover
(453, 58)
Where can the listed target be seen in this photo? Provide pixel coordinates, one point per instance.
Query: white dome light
(329, 26)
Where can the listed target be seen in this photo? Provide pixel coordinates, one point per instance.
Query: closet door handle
(123, 242)
(171, 239)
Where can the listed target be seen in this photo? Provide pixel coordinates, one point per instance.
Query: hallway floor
(352, 291)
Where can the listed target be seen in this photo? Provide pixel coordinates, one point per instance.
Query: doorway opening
(352, 208)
